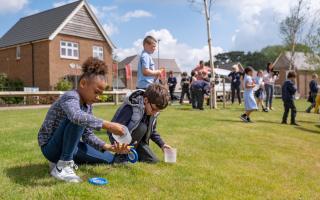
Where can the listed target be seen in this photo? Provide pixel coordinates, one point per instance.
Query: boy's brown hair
(158, 95)
(149, 40)
(292, 74)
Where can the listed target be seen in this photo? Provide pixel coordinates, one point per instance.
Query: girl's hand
(114, 128)
(120, 148)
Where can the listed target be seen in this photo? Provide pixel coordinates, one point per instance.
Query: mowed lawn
(219, 157)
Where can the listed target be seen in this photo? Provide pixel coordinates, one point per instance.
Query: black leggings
(234, 89)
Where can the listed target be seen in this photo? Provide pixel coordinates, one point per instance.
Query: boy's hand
(117, 148)
(165, 146)
(114, 128)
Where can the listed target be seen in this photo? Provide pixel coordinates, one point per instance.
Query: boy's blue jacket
(130, 114)
(288, 90)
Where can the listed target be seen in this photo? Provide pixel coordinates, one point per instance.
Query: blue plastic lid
(98, 181)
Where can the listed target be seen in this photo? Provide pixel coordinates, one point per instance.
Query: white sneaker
(64, 171)
(51, 166)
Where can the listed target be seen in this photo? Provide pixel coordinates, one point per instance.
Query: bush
(10, 85)
(64, 85)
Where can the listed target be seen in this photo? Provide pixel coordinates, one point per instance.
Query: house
(43, 48)
(132, 61)
(301, 65)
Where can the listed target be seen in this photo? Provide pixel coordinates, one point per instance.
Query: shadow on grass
(269, 122)
(308, 130)
(184, 108)
(229, 120)
(31, 175)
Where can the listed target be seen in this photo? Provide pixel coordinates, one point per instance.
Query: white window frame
(18, 52)
(74, 46)
(97, 52)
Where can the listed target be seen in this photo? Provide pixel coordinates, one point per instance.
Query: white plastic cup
(170, 155)
(124, 139)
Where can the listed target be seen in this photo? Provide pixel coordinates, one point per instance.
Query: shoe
(51, 166)
(120, 159)
(295, 124)
(271, 108)
(244, 118)
(284, 123)
(249, 120)
(265, 110)
(64, 171)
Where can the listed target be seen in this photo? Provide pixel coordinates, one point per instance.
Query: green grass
(219, 157)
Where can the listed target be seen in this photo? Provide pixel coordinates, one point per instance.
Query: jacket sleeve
(91, 139)
(291, 88)
(155, 136)
(313, 86)
(71, 106)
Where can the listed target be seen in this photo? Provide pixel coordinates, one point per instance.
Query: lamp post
(158, 53)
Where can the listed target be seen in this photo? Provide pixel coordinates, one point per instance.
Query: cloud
(135, 14)
(110, 28)
(61, 3)
(186, 56)
(258, 20)
(12, 5)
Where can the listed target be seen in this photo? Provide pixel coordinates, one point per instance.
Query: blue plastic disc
(98, 181)
(133, 156)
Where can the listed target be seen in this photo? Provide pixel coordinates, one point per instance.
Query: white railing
(116, 94)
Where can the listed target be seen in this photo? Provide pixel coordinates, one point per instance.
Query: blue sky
(246, 25)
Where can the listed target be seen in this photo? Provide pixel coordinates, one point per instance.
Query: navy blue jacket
(201, 85)
(235, 78)
(313, 86)
(172, 81)
(288, 91)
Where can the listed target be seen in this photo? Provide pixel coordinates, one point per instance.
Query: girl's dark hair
(158, 95)
(184, 74)
(268, 70)
(247, 70)
(93, 67)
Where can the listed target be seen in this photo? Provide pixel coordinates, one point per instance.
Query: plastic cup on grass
(170, 155)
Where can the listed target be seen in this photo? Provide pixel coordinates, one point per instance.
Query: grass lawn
(219, 157)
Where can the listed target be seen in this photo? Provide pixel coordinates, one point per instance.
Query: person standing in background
(313, 90)
(235, 77)
(172, 82)
(269, 79)
(147, 74)
(185, 87)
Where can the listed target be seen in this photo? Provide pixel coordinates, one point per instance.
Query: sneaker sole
(243, 119)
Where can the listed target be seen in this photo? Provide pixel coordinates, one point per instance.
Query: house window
(98, 52)
(69, 50)
(18, 52)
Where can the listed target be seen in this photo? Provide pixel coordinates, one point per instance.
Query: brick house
(168, 64)
(302, 66)
(43, 48)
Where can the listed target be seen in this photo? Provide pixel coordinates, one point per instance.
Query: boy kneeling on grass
(70, 118)
(139, 113)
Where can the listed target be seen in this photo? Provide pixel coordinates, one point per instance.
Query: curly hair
(93, 67)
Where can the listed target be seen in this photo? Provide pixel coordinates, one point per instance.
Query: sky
(245, 25)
